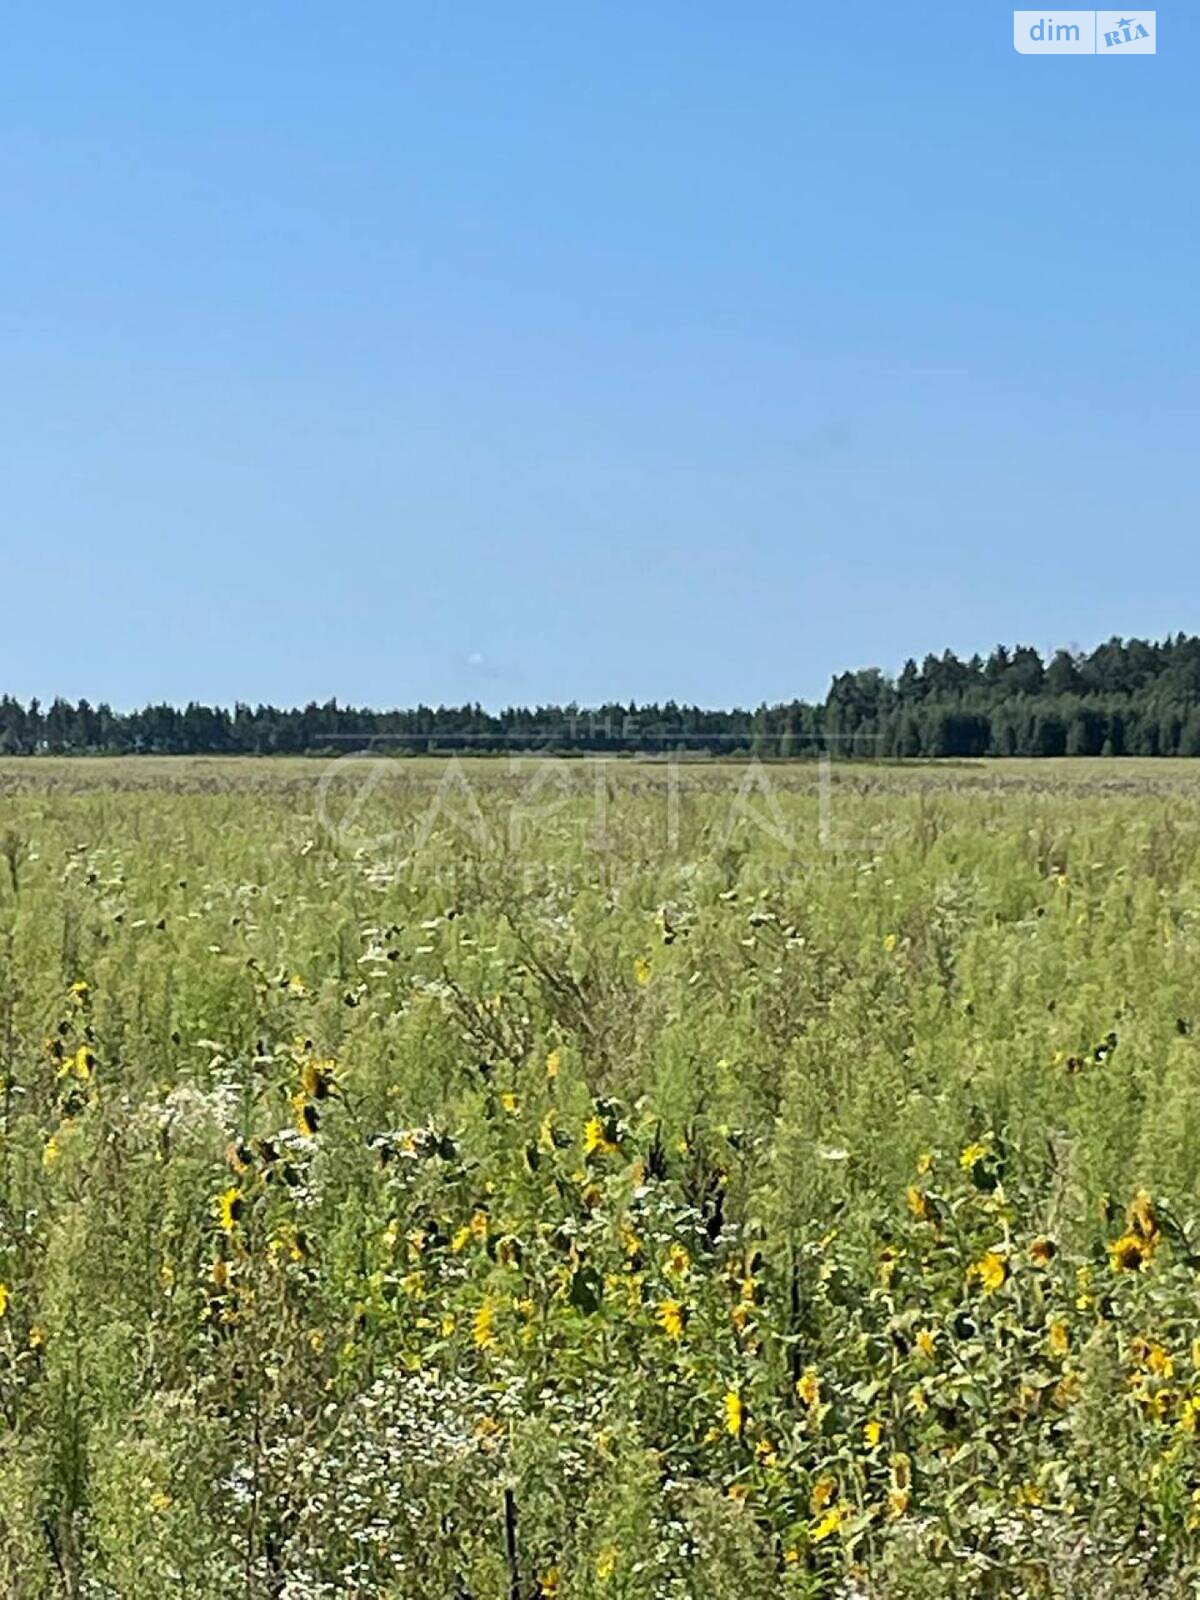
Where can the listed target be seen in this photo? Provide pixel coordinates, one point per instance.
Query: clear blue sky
(522, 352)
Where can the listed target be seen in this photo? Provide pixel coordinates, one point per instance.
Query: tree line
(1126, 697)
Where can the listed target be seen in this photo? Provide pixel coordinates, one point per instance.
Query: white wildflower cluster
(354, 1505)
(191, 1114)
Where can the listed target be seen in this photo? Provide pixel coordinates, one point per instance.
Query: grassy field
(580, 1181)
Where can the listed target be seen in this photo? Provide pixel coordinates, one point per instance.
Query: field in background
(491, 1181)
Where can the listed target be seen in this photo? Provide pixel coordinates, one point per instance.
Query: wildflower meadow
(599, 1180)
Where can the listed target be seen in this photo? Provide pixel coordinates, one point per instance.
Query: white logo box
(1085, 33)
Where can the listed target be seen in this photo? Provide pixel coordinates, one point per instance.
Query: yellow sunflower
(670, 1317)
(1129, 1253)
(990, 1271)
(231, 1208)
(735, 1415)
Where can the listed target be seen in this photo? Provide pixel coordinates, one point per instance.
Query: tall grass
(598, 1182)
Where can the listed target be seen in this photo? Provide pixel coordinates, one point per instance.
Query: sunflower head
(669, 1317)
(317, 1079)
(305, 1115)
(231, 1208)
(1042, 1252)
(1129, 1253)
(990, 1271)
(734, 1413)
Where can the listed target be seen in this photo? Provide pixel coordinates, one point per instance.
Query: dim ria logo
(1085, 33)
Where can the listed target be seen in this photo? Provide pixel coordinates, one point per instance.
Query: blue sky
(534, 352)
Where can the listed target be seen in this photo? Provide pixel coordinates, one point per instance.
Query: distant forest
(1127, 697)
